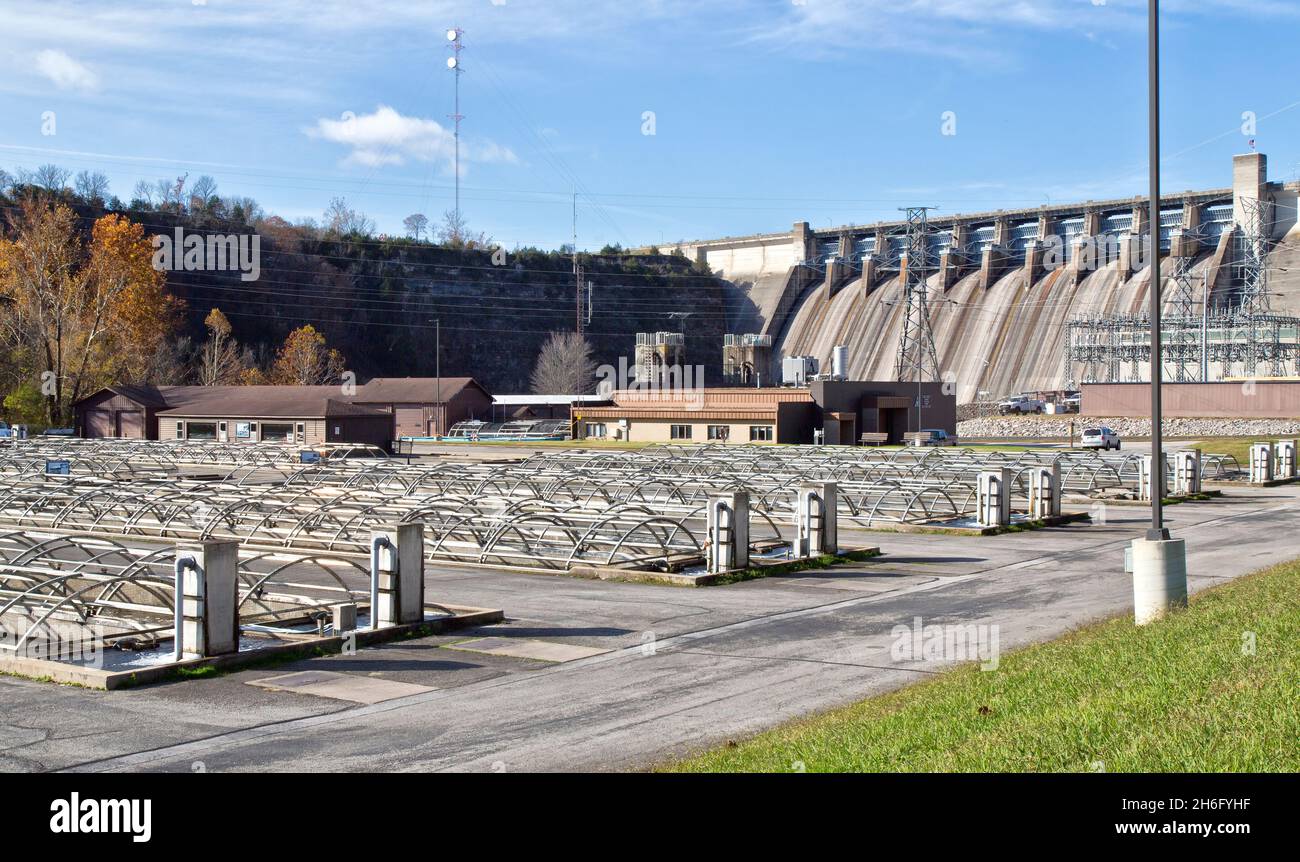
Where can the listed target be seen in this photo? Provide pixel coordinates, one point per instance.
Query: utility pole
(437, 376)
(453, 63)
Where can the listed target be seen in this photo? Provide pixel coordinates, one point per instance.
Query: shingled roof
(424, 390)
(289, 402)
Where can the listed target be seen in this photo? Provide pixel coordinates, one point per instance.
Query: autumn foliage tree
(221, 360)
(305, 360)
(76, 315)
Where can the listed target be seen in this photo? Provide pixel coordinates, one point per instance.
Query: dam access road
(622, 676)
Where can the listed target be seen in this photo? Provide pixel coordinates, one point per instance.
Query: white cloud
(386, 137)
(65, 72)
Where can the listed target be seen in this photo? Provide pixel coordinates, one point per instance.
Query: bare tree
(6, 180)
(203, 194)
(245, 208)
(565, 366)
(143, 192)
(455, 233)
(48, 176)
(416, 223)
(91, 187)
(342, 220)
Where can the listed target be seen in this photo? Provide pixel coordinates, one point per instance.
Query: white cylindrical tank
(840, 362)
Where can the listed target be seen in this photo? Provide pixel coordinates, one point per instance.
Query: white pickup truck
(1020, 404)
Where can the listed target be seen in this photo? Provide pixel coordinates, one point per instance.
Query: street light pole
(1159, 562)
(1157, 530)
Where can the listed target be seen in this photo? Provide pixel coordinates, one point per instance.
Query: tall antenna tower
(453, 63)
(917, 358)
(580, 316)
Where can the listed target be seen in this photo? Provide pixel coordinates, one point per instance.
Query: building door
(130, 423)
(410, 421)
(99, 423)
(894, 421)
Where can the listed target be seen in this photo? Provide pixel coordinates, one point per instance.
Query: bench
(873, 438)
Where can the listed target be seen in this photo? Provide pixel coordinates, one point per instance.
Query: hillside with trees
(373, 302)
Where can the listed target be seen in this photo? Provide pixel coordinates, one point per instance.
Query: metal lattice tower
(1182, 350)
(917, 357)
(1244, 339)
(1253, 307)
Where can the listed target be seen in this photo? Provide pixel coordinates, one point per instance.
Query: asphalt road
(687, 668)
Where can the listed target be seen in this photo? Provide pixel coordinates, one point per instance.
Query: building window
(594, 429)
(180, 430)
(679, 432)
(719, 432)
(277, 432)
(202, 431)
(760, 433)
(302, 436)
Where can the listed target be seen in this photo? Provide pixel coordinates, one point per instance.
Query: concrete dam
(1004, 286)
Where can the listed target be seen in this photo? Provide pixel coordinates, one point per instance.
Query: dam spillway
(1004, 286)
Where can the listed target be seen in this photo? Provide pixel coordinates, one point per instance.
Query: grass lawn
(1238, 447)
(1179, 695)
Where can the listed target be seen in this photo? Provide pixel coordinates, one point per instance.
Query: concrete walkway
(684, 668)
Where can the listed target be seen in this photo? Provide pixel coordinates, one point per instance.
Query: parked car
(1020, 404)
(1099, 438)
(932, 437)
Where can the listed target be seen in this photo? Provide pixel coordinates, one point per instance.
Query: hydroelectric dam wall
(1002, 285)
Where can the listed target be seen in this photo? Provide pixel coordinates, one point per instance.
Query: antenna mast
(453, 63)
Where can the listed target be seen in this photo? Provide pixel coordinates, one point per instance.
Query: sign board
(308, 456)
(243, 430)
(59, 467)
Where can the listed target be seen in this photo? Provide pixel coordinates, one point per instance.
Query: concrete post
(728, 532)
(1159, 578)
(1151, 477)
(210, 599)
(400, 563)
(1045, 492)
(1285, 459)
(816, 519)
(1261, 463)
(1187, 472)
(994, 498)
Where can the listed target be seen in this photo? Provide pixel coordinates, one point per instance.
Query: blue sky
(765, 111)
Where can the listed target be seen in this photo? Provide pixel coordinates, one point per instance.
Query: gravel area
(1059, 426)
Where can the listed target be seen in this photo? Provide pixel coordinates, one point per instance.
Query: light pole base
(1159, 578)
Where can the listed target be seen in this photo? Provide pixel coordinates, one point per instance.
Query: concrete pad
(530, 649)
(339, 686)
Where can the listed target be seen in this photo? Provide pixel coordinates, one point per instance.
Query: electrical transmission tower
(1244, 339)
(917, 358)
(1183, 351)
(1253, 307)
